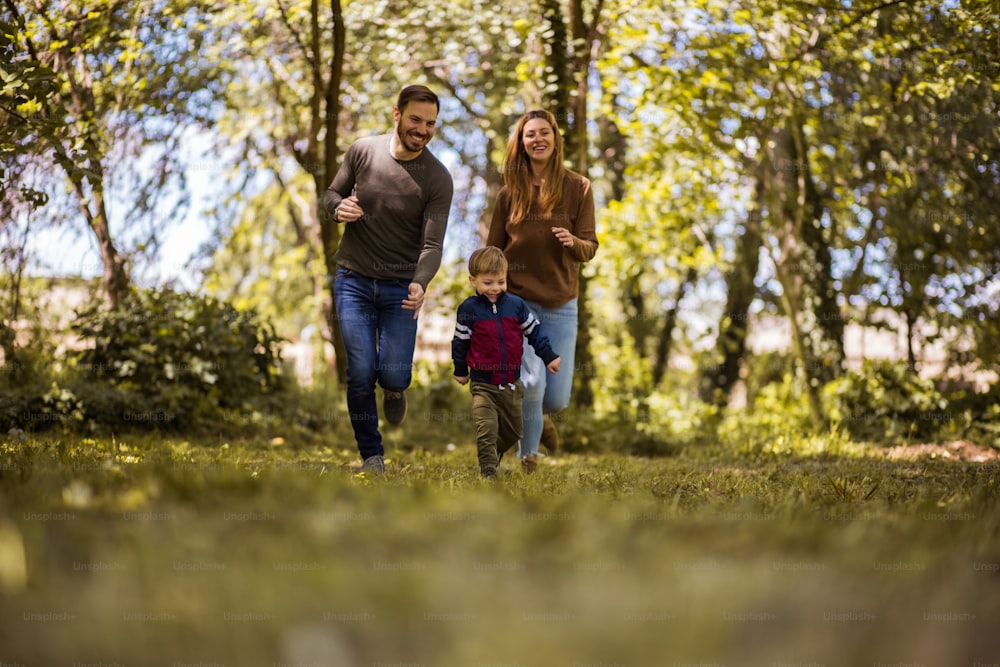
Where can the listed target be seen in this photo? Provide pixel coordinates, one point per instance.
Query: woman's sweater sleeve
(585, 228)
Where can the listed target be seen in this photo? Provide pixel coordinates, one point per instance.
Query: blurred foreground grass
(151, 551)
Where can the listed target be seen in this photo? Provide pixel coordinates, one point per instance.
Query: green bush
(778, 411)
(30, 399)
(887, 402)
(977, 414)
(985, 429)
(175, 357)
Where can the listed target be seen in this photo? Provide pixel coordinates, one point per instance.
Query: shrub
(977, 415)
(886, 402)
(176, 356)
(779, 410)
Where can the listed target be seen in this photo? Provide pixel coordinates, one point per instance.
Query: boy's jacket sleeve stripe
(529, 324)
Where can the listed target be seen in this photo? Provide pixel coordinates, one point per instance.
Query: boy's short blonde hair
(489, 260)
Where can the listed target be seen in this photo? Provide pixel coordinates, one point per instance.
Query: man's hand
(415, 300)
(553, 365)
(462, 379)
(349, 209)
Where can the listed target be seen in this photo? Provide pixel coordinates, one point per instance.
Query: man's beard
(407, 141)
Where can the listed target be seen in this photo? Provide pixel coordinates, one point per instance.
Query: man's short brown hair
(416, 93)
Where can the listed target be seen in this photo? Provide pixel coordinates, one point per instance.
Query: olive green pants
(499, 421)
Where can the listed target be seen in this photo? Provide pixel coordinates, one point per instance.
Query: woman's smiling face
(538, 140)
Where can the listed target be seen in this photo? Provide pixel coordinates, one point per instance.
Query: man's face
(415, 124)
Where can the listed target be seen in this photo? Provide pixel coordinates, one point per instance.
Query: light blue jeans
(545, 393)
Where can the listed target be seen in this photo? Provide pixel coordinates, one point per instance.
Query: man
(393, 197)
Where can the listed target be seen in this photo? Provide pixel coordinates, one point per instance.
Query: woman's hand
(564, 235)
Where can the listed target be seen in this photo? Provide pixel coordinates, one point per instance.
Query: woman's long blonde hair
(518, 175)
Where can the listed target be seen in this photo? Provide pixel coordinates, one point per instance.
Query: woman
(543, 220)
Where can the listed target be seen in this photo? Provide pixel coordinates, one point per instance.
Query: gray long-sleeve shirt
(406, 204)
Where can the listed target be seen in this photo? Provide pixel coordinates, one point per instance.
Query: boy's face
(490, 285)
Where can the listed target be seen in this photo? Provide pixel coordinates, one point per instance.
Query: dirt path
(959, 450)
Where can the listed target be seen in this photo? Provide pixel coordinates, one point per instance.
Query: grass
(158, 551)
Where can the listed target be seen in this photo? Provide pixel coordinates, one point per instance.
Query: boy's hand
(554, 365)
(462, 379)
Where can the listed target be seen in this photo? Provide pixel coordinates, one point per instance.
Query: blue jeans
(544, 392)
(379, 337)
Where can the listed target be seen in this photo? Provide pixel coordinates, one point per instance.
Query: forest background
(821, 175)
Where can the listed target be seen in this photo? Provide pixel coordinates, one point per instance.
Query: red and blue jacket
(489, 339)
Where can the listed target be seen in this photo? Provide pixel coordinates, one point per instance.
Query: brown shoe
(550, 436)
(529, 463)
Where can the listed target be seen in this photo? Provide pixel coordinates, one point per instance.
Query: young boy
(489, 340)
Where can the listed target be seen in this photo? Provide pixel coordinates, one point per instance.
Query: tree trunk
(85, 170)
(665, 340)
(568, 59)
(8, 334)
(802, 263)
(634, 307)
(559, 68)
(911, 355)
(115, 279)
(717, 382)
(320, 159)
(829, 345)
(493, 177)
(585, 372)
(612, 146)
(331, 233)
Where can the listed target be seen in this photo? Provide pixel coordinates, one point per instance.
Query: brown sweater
(541, 268)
